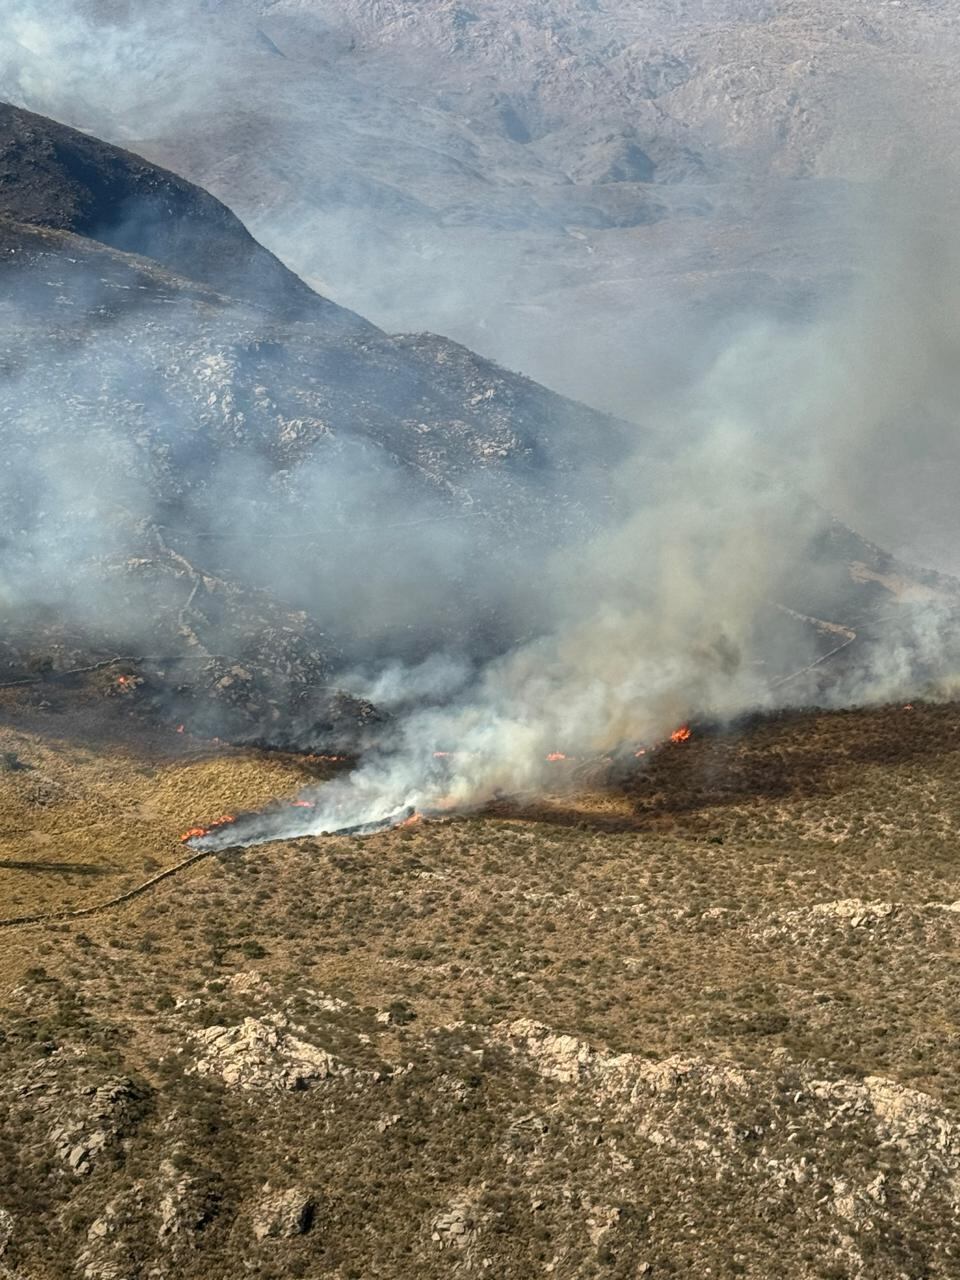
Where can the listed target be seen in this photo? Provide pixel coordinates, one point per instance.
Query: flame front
(196, 832)
(331, 816)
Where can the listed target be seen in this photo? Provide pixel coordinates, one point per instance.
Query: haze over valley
(478, 642)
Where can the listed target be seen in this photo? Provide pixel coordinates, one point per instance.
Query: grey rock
(7, 1225)
(262, 1054)
(281, 1215)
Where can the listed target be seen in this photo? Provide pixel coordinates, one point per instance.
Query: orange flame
(683, 734)
(194, 832)
(554, 756)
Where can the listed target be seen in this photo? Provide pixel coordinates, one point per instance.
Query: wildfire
(414, 820)
(302, 804)
(195, 832)
(555, 756)
(683, 734)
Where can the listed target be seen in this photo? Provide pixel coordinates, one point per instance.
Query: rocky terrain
(491, 170)
(231, 441)
(624, 1032)
(631, 1025)
(242, 500)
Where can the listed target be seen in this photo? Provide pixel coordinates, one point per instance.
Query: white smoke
(670, 609)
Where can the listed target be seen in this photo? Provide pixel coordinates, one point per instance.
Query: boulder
(262, 1054)
(280, 1215)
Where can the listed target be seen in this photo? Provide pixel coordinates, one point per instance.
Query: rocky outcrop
(459, 1225)
(854, 1122)
(91, 1122)
(261, 1054)
(806, 925)
(280, 1215)
(568, 1060)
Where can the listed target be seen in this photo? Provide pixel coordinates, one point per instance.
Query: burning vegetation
(314, 816)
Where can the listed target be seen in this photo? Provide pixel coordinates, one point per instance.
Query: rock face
(282, 1214)
(258, 1054)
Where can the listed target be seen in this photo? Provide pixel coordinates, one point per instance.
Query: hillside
(608, 1033)
(255, 501)
(226, 442)
(660, 981)
(58, 178)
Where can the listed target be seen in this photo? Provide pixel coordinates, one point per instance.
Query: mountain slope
(55, 177)
(463, 167)
(248, 486)
(256, 500)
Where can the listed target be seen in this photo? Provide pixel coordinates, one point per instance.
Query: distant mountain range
(490, 170)
(602, 194)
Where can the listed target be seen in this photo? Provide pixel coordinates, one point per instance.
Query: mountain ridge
(57, 177)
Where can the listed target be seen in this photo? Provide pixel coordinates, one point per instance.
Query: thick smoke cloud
(681, 594)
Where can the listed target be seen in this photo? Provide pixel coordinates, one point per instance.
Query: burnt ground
(414, 1037)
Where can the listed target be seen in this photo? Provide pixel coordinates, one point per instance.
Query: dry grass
(640, 915)
(92, 801)
(670, 912)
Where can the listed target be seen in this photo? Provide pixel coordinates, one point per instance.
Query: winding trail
(848, 634)
(98, 908)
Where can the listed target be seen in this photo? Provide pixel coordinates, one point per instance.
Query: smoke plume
(705, 570)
